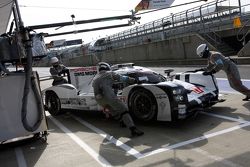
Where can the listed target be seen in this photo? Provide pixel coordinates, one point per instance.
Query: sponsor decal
(74, 101)
(161, 96)
(64, 101)
(84, 71)
(162, 105)
(153, 4)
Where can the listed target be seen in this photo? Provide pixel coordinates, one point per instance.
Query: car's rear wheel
(143, 105)
(53, 103)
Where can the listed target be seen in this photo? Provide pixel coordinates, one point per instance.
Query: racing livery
(153, 97)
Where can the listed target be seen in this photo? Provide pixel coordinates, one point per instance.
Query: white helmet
(104, 66)
(202, 51)
(54, 60)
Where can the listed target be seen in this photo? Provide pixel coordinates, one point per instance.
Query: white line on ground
(227, 79)
(216, 158)
(225, 117)
(230, 92)
(102, 161)
(20, 158)
(118, 143)
(204, 137)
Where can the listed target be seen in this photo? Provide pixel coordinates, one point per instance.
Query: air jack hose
(30, 81)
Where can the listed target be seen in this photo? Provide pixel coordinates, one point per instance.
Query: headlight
(177, 91)
(179, 98)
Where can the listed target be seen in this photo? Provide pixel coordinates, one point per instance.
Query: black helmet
(104, 66)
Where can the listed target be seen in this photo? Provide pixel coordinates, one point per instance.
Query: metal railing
(202, 19)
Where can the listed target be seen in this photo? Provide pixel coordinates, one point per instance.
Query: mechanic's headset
(203, 51)
(104, 66)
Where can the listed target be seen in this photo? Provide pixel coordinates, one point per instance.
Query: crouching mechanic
(57, 70)
(105, 96)
(217, 62)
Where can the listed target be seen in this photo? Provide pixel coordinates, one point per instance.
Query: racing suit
(217, 62)
(3, 69)
(56, 72)
(107, 98)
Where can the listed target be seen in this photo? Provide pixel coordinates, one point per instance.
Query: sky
(37, 12)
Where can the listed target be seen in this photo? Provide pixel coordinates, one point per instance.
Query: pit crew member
(217, 62)
(57, 71)
(107, 98)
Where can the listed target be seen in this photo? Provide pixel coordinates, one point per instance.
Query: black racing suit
(217, 62)
(107, 98)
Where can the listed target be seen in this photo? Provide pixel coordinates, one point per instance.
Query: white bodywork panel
(162, 99)
(79, 94)
(198, 83)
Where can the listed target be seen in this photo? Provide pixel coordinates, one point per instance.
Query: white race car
(164, 98)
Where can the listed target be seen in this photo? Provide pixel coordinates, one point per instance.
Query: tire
(53, 103)
(143, 105)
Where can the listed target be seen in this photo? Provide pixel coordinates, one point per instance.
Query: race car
(153, 97)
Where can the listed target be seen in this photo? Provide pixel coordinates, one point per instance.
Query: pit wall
(173, 51)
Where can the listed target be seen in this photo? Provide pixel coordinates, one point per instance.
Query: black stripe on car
(187, 77)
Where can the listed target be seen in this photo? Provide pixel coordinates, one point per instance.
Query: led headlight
(179, 98)
(177, 91)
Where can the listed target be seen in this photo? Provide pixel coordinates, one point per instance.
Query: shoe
(122, 124)
(136, 132)
(246, 98)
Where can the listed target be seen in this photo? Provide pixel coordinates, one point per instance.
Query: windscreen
(147, 77)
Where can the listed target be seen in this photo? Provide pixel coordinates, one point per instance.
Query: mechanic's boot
(136, 132)
(247, 98)
(122, 124)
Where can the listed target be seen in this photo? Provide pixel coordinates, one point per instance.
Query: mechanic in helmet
(107, 98)
(57, 71)
(217, 62)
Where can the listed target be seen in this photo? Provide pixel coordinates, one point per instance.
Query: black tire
(143, 105)
(53, 103)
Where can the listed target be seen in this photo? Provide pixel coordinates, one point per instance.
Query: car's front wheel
(53, 103)
(143, 105)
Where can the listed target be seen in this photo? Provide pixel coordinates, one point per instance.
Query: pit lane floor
(218, 137)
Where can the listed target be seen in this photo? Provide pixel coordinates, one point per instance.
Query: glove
(200, 69)
(63, 71)
(132, 80)
(137, 81)
(209, 72)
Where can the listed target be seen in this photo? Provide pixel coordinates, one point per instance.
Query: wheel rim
(53, 104)
(143, 106)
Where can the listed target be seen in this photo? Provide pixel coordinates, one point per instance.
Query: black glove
(209, 72)
(138, 81)
(60, 73)
(63, 71)
(200, 69)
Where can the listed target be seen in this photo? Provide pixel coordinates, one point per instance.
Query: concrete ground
(218, 137)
